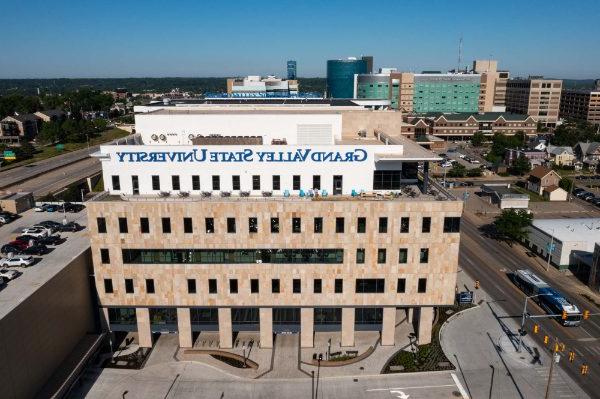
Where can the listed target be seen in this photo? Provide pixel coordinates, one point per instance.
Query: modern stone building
(274, 238)
(535, 96)
(581, 104)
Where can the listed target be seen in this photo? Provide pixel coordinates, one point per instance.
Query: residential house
(588, 153)
(51, 115)
(15, 128)
(535, 157)
(560, 155)
(545, 182)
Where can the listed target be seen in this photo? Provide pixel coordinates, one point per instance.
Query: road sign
(465, 297)
(551, 247)
(9, 155)
(60, 147)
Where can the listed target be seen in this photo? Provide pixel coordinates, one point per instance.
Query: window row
(362, 286)
(451, 225)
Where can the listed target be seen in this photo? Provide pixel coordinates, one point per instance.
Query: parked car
(18, 260)
(71, 226)
(51, 240)
(5, 219)
(36, 232)
(27, 238)
(578, 190)
(587, 196)
(38, 249)
(41, 208)
(9, 274)
(582, 193)
(49, 223)
(9, 249)
(462, 156)
(53, 208)
(73, 208)
(50, 229)
(590, 198)
(19, 244)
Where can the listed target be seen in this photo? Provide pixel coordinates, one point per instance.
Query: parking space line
(462, 390)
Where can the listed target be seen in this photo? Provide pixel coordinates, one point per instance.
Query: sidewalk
(481, 344)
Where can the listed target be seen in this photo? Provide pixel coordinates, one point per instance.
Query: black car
(49, 223)
(38, 249)
(73, 208)
(9, 249)
(28, 238)
(71, 226)
(51, 240)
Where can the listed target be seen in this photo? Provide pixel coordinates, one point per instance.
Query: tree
(521, 166)
(24, 151)
(512, 224)
(100, 124)
(51, 132)
(475, 172)
(478, 139)
(457, 170)
(566, 184)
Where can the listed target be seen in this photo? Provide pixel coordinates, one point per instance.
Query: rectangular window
(166, 225)
(296, 225)
(401, 286)
(276, 182)
(424, 255)
(451, 224)
(381, 255)
(129, 286)
(339, 225)
(339, 286)
(296, 182)
(104, 256)
(256, 182)
(188, 227)
(235, 182)
(426, 225)
(422, 287)
(101, 222)
(404, 224)
(317, 286)
(175, 182)
(296, 286)
(370, 285)
(108, 286)
(403, 255)
(231, 225)
(209, 225)
(216, 182)
(233, 286)
(155, 182)
(191, 283)
(318, 225)
(212, 285)
(253, 225)
(275, 286)
(116, 183)
(386, 179)
(360, 255)
(254, 286)
(316, 182)
(123, 225)
(150, 285)
(195, 182)
(383, 224)
(274, 225)
(361, 225)
(144, 226)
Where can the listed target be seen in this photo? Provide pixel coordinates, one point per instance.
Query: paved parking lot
(45, 266)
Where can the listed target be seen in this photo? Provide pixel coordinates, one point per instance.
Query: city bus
(548, 298)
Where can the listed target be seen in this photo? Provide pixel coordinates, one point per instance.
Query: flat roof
(257, 101)
(35, 276)
(565, 230)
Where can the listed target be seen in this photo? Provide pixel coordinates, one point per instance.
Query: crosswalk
(558, 387)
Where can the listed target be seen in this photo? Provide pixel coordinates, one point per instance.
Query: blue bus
(549, 299)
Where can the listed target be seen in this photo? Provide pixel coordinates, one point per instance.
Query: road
(489, 261)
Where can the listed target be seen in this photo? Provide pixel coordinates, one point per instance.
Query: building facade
(257, 87)
(14, 129)
(340, 76)
(537, 97)
(581, 104)
(292, 71)
(286, 238)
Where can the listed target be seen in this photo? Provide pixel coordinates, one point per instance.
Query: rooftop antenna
(460, 45)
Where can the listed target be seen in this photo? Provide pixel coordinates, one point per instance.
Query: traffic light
(571, 356)
(536, 328)
(546, 339)
(564, 315)
(561, 347)
(586, 314)
(476, 284)
(584, 369)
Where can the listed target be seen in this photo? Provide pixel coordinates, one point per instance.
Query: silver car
(18, 260)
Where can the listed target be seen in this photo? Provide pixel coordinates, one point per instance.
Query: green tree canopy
(457, 170)
(512, 224)
(478, 139)
(521, 166)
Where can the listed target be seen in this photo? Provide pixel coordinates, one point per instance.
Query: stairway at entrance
(285, 358)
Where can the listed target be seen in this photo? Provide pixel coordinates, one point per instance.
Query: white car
(9, 274)
(446, 164)
(36, 232)
(461, 156)
(18, 260)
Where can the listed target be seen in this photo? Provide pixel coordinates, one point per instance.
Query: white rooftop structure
(584, 229)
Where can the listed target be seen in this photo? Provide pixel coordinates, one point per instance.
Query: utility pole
(554, 359)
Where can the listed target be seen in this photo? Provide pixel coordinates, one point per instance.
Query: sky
(202, 38)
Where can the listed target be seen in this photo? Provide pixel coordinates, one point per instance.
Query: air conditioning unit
(163, 137)
(154, 137)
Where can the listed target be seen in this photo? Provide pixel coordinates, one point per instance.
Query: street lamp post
(244, 349)
(318, 373)
(523, 319)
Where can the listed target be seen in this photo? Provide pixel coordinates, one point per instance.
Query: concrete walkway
(285, 358)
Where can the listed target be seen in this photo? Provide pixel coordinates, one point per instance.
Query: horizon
(148, 40)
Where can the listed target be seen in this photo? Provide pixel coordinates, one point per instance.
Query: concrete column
(266, 327)
(425, 176)
(348, 326)
(184, 328)
(425, 323)
(409, 315)
(388, 327)
(225, 333)
(143, 327)
(104, 322)
(307, 321)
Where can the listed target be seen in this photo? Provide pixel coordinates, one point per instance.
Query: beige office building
(537, 97)
(287, 238)
(581, 104)
(493, 85)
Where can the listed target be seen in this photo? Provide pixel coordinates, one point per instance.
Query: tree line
(73, 102)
